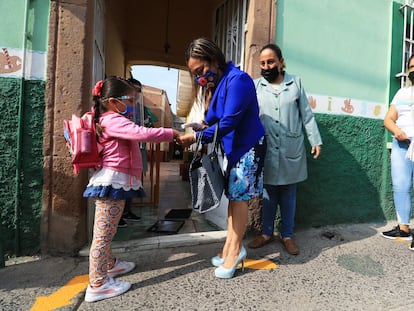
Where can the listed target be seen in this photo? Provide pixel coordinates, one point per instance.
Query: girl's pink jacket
(121, 139)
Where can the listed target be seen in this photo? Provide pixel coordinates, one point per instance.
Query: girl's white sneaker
(109, 289)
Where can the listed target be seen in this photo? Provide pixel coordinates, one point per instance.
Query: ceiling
(157, 32)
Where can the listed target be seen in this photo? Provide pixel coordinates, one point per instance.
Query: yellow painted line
(261, 264)
(62, 297)
(400, 240)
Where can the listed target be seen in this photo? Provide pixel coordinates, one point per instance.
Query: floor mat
(166, 226)
(178, 214)
(123, 234)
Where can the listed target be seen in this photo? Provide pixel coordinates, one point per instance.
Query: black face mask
(270, 74)
(411, 77)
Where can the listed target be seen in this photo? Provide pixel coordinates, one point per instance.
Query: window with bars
(408, 37)
(230, 24)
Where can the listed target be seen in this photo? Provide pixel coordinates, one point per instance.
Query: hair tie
(98, 88)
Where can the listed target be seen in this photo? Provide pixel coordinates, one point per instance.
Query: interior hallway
(174, 194)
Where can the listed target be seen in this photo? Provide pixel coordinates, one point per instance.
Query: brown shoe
(260, 241)
(290, 245)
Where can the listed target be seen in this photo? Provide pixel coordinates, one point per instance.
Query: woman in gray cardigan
(284, 112)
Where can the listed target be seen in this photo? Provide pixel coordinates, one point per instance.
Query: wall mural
(12, 60)
(347, 106)
(9, 63)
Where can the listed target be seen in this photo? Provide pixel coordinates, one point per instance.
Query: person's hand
(176, 134)
(400, 135)
(316, 151)
(186, 140)
(195, 126)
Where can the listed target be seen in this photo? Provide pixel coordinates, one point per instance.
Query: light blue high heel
(217, 261)
(224, 273)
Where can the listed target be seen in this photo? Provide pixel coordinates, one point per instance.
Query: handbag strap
(217, 143)
(199, 139)
(215, 135)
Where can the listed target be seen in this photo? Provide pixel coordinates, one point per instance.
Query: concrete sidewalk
(344, 267)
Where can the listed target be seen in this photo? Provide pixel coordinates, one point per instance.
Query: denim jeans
(402, 180)
(285, 197)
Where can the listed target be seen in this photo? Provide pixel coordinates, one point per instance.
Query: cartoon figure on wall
(348, 106)
(312, 102)
(329, 103)
(9, 64)
(377, 110)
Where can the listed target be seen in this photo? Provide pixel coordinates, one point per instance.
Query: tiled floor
(174, 194)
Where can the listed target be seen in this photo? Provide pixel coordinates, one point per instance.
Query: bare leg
(229, 236)
(237, 218)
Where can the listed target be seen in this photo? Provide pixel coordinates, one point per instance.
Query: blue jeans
(402, 180)
(285, 197)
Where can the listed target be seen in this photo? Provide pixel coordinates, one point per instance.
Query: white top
(276, 87)
(118, 180)
(404, 103)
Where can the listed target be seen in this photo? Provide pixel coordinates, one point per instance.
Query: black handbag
(206, 177)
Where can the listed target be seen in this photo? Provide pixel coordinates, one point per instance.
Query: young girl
(117, 180)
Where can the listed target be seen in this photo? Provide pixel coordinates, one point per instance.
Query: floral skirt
(245, 179)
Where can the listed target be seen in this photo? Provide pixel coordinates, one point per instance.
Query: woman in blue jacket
(231, 104)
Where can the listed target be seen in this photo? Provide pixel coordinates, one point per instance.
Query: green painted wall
(12, 17)
(345, 49)
(339, 46)
(26, 227)
(21, 196)
(345, 184)
(12, 23)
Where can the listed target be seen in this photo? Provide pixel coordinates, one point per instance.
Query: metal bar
(233, 30)
(410, 47)
(402, 82)
(157, 174)
(243, 34)
(409, 41)
(17, 209)
(236, 33)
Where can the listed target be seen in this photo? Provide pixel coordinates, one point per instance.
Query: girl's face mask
(207, 80)
(129, 110)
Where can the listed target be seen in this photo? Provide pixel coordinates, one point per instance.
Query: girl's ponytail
(97, 98)
(96, 116)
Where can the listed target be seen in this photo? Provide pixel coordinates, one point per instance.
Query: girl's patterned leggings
(107, 215)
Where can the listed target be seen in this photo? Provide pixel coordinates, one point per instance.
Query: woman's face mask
(207, 80)
(411, 77)
(270, 74)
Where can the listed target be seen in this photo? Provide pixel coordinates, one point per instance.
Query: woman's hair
(407, 65)
(275, 48)
(114, 87)
(207, 50)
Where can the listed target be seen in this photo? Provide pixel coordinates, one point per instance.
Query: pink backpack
(81, 139)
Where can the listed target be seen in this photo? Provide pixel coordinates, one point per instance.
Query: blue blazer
(235, 109)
